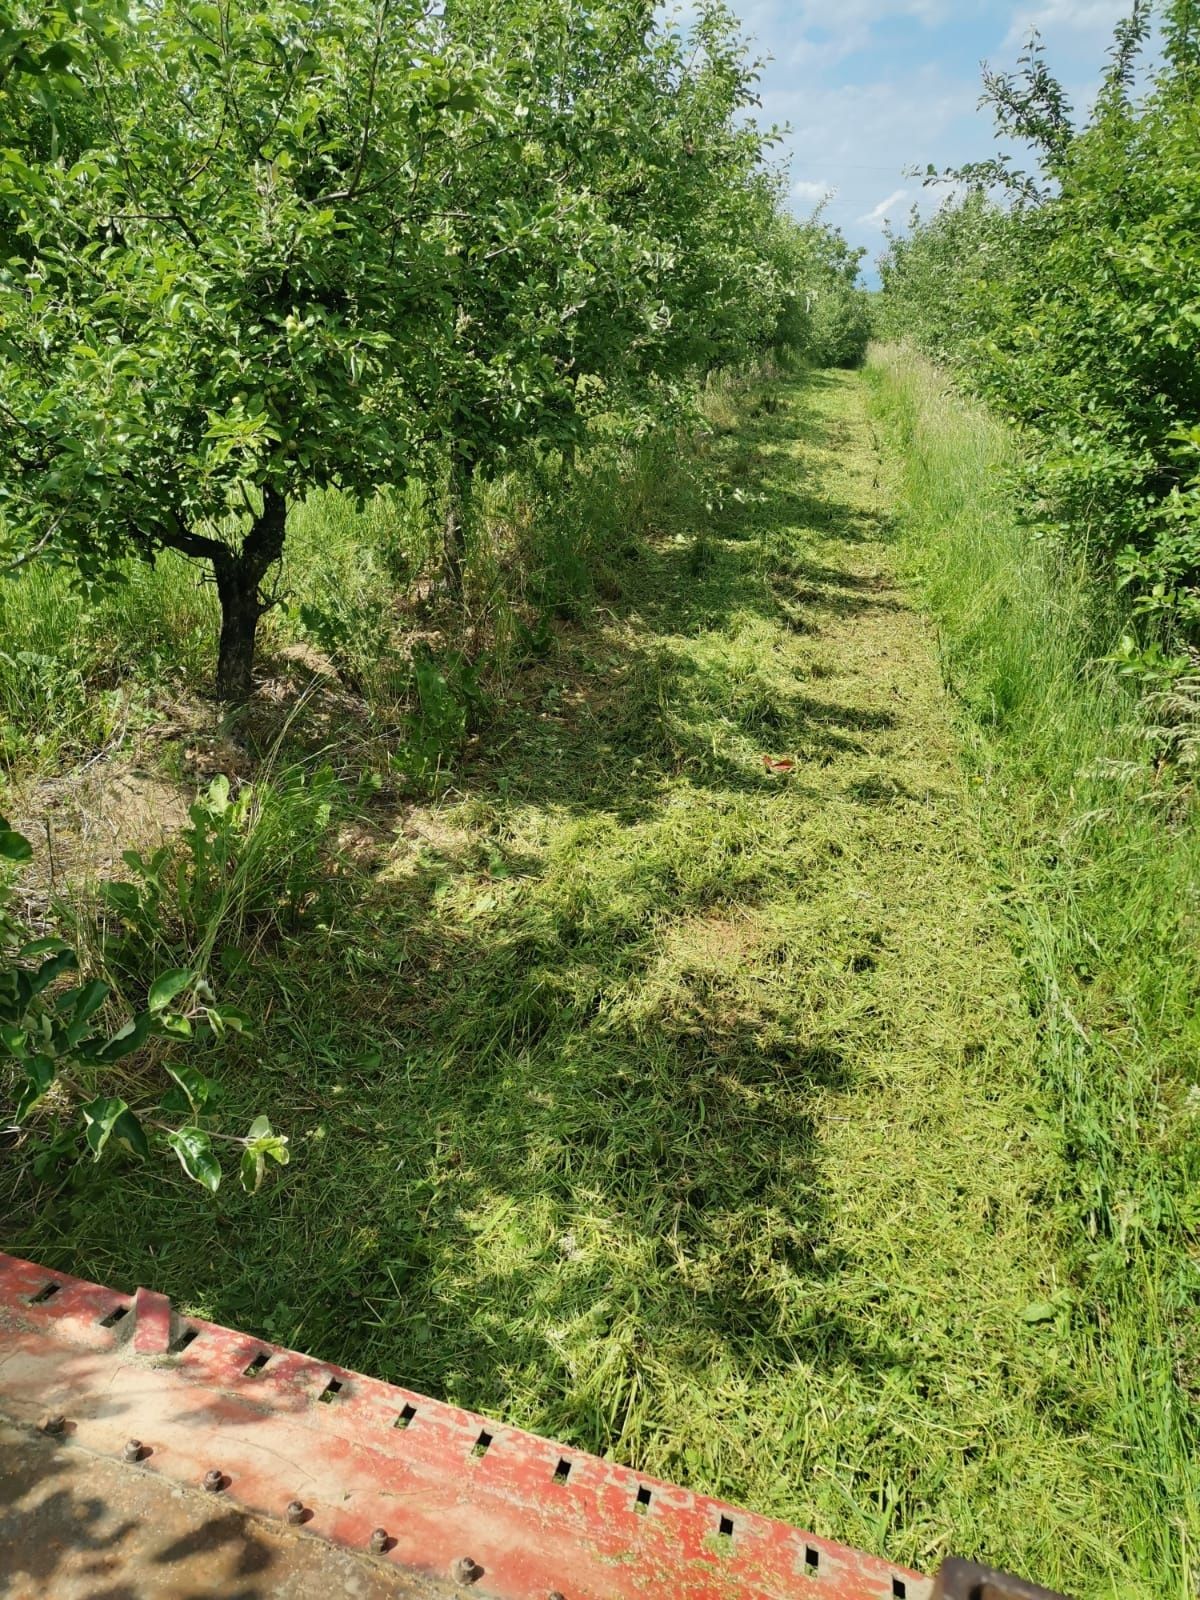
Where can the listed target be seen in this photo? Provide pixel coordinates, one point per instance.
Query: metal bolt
(465, 1570)
(295, 1512)
(132, 1450)
(55, 1424)
(378, 1542)
(214, 1479)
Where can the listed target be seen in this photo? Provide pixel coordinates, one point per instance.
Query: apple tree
(218, 305)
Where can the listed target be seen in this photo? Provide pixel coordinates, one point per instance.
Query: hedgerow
(1069, 297)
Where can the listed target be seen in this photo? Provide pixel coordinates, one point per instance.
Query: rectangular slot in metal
(46, 1292)
(114, 1316)
(331, 1391)
(562, 1471)
(405, 1417)
(256, 1366)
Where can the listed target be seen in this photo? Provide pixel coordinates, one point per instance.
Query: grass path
(672, 1107)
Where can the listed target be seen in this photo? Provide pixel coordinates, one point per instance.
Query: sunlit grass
(1101, 853)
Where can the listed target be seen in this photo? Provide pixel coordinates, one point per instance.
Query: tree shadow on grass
(558, 1211)
(664, 728)
(547, 1162)
(752, 558)
(533, 1175)
(795, 509)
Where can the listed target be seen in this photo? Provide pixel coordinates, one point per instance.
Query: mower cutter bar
(423, 1491)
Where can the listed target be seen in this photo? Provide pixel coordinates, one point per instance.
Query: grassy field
(810, 1130)
(1085, 787)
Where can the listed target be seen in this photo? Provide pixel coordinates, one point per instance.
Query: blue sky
(870, 87)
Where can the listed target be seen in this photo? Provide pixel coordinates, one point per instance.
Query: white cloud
(860, 136)
(867, 90)
(821, 41)
(884, 211)
(1061, 16)
(810, 193)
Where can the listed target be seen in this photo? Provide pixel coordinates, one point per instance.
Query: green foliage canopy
(295, 245)
(1071, 300)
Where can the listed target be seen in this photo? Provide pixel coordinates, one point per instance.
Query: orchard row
(1069, 296)
(260, 249)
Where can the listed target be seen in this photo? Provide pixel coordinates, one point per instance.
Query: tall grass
(66, 657)
(1097, 845)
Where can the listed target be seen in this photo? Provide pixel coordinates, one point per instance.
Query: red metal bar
(435, 1491)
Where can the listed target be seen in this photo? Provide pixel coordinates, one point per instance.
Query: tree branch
(371, 86)
(197, 545)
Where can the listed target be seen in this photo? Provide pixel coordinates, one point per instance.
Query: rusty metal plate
(75, 1526)
(421, 1492)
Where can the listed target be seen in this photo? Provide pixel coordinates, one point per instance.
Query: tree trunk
(240, 611)
(239, 574)
(454, 532)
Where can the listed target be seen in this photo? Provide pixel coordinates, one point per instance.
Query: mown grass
(1095, 839)
(689, 1113)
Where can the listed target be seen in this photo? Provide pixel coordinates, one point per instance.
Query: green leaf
(1039, 1311)
(125, 1041)
(226, 1018)
(175, 1103)
(262, 1144)
(50, 969)
(276, 1149)
(217, 798)
(101, 1116)
(58, 56)
(194, 1149)
(87, 1000)
(199, 1089)
(273, 1145)
(130, 1132)
(165, 987)
(39, 1073)
(13, 1041)
(14, 846)
(251, 1170)
(42, 947)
